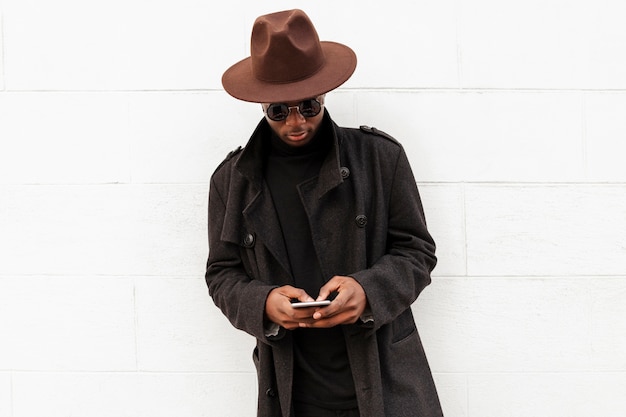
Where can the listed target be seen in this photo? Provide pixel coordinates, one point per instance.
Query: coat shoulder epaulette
(230, 156)
(378, 132)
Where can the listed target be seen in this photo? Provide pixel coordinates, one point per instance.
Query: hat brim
(240, 82)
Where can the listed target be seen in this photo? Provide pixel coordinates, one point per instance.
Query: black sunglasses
(280, 111)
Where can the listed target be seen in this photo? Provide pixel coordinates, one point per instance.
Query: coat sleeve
(240, 298)
(397, 278)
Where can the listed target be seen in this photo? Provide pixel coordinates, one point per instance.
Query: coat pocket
(403, 327)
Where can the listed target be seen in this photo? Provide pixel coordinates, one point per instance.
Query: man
(309, 211)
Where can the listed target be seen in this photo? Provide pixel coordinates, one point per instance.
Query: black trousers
(308, 410)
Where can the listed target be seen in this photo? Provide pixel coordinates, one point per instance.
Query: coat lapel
(259, 211)
(261, 216)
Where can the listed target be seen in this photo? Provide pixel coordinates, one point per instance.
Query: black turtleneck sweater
(322, 375)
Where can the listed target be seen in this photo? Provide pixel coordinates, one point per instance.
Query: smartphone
(304, 304)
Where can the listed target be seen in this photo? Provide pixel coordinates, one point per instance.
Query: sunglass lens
(310, 108)
(280, 111)
(277, 112)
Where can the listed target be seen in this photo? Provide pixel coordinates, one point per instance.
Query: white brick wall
(112, 119)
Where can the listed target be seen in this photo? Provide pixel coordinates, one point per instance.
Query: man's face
(296, 129)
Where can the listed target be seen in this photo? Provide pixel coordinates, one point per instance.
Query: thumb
(326, 290)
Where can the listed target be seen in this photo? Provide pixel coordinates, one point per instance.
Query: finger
(300, 295)
(330, 287)
(325, 322)
(304, 297)
(292, 318)
(294, 293)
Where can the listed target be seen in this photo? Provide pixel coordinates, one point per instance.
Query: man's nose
(294, 117)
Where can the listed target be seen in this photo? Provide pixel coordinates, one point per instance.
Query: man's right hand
(278, 307)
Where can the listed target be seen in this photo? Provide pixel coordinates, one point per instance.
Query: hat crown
(288, 62)
(285, 47)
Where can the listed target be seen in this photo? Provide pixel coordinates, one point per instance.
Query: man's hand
(346, 308)
(278, 307)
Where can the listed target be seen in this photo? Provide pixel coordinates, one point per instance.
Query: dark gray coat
(368, 223)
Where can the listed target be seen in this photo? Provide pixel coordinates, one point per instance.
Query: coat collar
(258, 207)
(250, 162)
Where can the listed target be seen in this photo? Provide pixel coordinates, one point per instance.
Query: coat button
(270, 392)
(248, 241)
(345, 172)
(361, 220)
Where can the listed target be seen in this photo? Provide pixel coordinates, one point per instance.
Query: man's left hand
(346, 308)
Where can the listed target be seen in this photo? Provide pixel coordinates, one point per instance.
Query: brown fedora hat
(288, 62)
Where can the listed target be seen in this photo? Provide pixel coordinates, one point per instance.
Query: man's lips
(297, 135)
